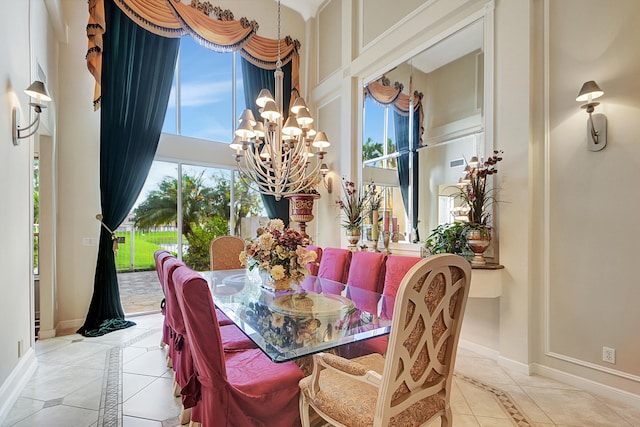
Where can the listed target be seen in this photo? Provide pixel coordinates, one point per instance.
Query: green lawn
(145, 244)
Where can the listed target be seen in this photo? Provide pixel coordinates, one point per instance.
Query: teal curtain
(408, 156)
(137, 70)
(255, 79)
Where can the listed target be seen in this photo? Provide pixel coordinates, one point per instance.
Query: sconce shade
(38, 90)
(324, 169)
(589, 88)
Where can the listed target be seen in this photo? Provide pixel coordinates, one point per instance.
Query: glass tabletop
(317, 315)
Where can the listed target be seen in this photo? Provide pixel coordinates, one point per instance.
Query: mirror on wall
(422, 119)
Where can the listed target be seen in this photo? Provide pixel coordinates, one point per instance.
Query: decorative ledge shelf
(486, 281)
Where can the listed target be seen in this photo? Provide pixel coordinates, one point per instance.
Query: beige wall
(20, 52)
(15, 193)
(593, 230)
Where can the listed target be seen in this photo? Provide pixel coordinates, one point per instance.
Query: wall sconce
(39, 91)
(326, 180)
(597, 123)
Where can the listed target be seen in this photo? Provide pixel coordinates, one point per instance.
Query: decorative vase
(302, 211)
(478, 240)
(353, 237)
(269, 282)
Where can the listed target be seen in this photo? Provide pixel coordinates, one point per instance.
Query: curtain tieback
(113, 235)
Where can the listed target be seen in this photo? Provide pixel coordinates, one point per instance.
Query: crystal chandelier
(275, 158)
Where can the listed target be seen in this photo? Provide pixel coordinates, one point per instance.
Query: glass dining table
(318, 315)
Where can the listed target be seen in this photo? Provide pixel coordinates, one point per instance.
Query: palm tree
(160, 206)
(205, 211)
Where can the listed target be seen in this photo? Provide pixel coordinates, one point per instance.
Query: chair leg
(176, 387)
(185, 415)
(304, 410)
(447, 418)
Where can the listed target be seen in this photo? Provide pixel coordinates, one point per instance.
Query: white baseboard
(15, 383)
(515, 366)
(480, 349)
(69, 324)
(44, 334)
(588, 385)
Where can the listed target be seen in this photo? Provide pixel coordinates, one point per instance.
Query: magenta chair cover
(233, 338)
(366, 272)
(335, 264)
(234, 389)
(396, 269)
(160, 256)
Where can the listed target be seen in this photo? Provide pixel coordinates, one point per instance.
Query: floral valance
(212, 27)
(386, 95)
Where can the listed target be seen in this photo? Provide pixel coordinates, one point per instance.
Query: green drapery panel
(137, 70)
(254, 79)
(408, 156)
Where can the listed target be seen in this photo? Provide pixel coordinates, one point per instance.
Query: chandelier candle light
(276, 158)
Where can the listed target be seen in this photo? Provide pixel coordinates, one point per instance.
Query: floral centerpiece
(353, 206)
(280, 253)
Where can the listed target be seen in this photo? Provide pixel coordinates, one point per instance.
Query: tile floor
(121, 379)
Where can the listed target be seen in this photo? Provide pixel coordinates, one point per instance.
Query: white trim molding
(15, 383)
(588, 385)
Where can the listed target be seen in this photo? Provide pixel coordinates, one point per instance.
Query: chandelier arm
(257, 169)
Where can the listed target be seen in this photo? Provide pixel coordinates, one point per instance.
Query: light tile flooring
(121, 379)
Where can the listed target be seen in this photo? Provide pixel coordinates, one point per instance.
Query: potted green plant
(448, 238)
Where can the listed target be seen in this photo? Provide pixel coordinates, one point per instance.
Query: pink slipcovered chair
(160, 256)
(411, 385)
(233, 339)
(235, 389)
(396, 267)
(367, 273)
(335, 267)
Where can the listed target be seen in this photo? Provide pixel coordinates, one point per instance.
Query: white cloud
(195, 94)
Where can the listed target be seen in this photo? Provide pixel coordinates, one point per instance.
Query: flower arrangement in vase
(478, 199)
(353, 206)
(280, 253)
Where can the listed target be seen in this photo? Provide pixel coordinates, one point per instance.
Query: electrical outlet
(608, 355)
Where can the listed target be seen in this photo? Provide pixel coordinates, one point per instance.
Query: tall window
(206, 94)
(379, 161)
(205, 198)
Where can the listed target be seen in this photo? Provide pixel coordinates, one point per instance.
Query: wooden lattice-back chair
(412, 385)
(224, 253)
